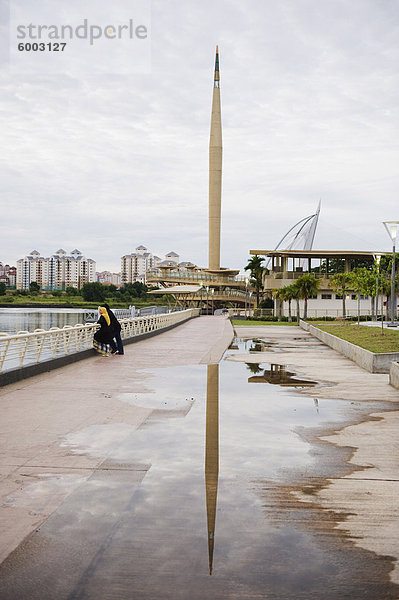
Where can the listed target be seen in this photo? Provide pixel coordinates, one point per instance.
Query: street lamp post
(207, 293)
(212, 294)
(377, 262)
(246, 295)
(392, 229)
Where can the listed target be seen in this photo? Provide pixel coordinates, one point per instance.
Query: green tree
(93, 292)
(295, 295)
(3, 288)
(385, 284)
(71, 291)
(308, 286)
(34, 287)
(280, 296)
(254, 368)
(289, 296)
(256, 270)
(363, 281)
(112, 289)
(134, 290)
(266, 303)
(341, 283)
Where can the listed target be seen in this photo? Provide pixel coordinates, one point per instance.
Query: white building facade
(8, 275)
(134, 266)
(109, 278)
(56, 272)
(284, 267)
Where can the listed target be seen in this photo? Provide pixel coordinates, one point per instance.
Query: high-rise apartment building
(57, 272)
(134, 266)
(8, 275)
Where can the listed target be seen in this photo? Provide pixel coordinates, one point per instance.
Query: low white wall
(374, 363)
(394, 374)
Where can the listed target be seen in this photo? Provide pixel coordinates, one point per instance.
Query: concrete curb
(371, 362)
(215, 354)
(55, 363)
(394, 374)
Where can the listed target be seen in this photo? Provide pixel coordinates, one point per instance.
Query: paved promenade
(366, 497)
(349, 494)
(37, 413)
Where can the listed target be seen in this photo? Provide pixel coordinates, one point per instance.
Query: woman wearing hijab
(103, 338)
(116, 332)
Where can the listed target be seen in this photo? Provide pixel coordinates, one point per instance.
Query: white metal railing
(91, 315)
(192, 275)
(26, 348)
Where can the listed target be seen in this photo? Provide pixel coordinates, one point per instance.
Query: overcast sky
(107, 161)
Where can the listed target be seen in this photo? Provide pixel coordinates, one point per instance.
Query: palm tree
(280, 296)
(296, 295)
(287, 294)
(308, 286)
(291, 292)
(341, 283)
(256, 269)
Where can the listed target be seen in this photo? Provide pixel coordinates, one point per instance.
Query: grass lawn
(250, 323)
(370, 338)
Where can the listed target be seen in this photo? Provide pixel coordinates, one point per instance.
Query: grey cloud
(309, 103)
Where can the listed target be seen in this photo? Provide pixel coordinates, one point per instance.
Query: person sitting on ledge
(103, 338)
(116, 331)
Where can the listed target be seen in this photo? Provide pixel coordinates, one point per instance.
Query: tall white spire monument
(215, 173)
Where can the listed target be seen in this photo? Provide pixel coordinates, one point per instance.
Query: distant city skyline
(309, 95)
(140, 249)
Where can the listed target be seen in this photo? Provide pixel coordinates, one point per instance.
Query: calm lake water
(13, 320)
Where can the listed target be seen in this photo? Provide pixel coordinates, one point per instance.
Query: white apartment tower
(57, 272)
(134, 266)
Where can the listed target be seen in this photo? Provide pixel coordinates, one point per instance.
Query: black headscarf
(116, 326)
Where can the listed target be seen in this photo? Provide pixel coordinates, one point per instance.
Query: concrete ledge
(394, 374)
(371, 362)
(214, 355)
(49, 365)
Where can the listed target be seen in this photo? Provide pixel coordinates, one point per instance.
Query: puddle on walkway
(253, 345)
(257, 345)
(194, 523)
(277, 375)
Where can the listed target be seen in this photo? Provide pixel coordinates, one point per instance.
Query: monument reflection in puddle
(277, 374)
(212, 454)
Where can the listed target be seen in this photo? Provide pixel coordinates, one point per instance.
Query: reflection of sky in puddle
(161, 545)
(257, 423)
(170, 389)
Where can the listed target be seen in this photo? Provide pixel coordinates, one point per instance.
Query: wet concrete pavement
(121, 479)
